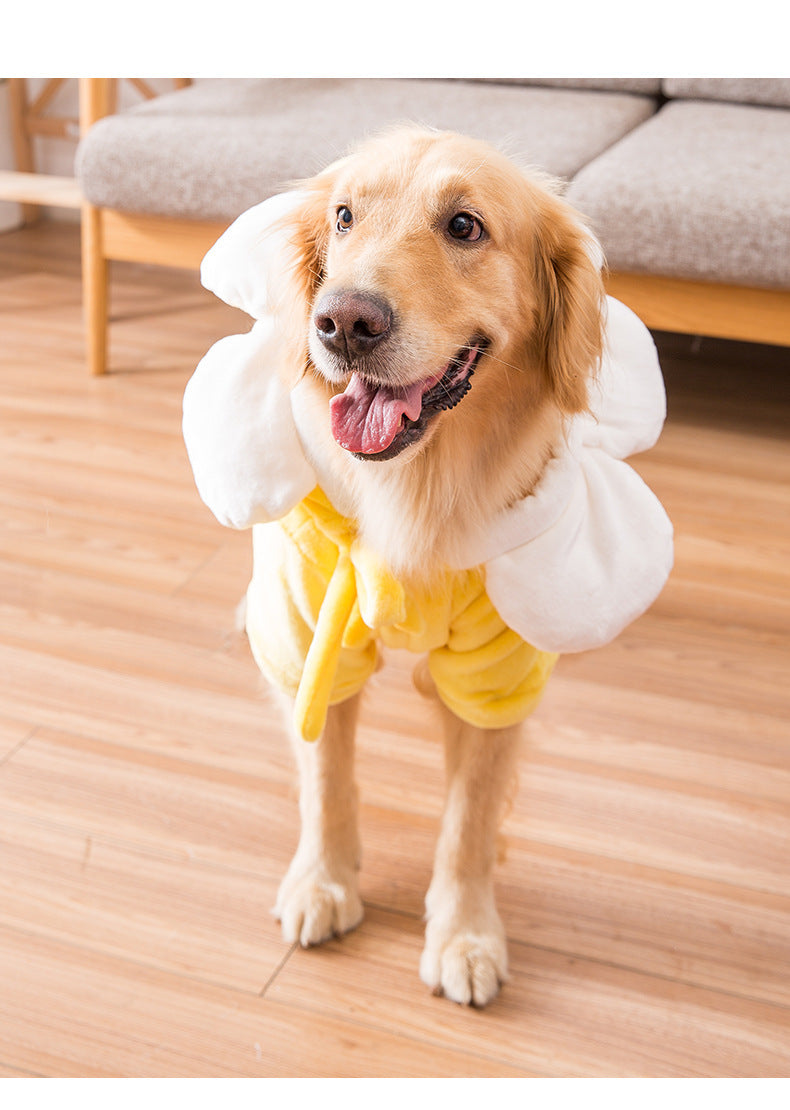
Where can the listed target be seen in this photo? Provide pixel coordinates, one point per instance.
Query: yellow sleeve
(485, 673)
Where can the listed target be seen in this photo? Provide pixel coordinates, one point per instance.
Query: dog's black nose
(352, 323)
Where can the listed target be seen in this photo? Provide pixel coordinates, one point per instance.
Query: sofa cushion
(216, 148)
(699, 191)
(745, 90)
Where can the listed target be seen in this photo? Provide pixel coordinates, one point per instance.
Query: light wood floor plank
(160, 910)
(69, 1011)
(180, 720)
(120, 629)
(569, 1016)
(151, 800)
(12, 734)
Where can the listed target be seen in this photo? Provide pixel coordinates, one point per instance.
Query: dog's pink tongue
(366, 418)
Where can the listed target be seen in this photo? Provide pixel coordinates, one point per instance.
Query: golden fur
(532, 286)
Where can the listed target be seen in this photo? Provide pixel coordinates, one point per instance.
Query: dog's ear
(305, 233)
(570, 303)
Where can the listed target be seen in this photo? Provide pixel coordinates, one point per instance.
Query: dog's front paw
(314, 906)
(465, 958)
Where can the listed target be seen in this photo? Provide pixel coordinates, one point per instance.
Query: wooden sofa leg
(95, 281)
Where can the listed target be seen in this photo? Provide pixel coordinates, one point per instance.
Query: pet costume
(563, 570)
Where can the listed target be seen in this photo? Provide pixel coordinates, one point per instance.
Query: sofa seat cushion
(698, 192)
(216, 148)
(773, 91)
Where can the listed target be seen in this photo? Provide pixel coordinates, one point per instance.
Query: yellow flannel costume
(319, 601)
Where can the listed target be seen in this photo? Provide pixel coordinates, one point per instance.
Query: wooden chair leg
(96, 95)
(95, 289)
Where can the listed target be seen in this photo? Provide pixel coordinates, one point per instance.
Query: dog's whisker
(503, 362)
(494, 358)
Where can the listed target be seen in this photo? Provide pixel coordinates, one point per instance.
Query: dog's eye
(465, 226)
(344, 218)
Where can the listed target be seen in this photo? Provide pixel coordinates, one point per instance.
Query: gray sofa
(686, 181)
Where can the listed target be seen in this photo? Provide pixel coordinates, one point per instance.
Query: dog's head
(426, 258)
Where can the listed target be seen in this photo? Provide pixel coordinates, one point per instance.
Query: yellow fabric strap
(359, 576)
(320, 667)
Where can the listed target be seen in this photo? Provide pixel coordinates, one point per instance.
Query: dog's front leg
(465, 955)
(319, 896)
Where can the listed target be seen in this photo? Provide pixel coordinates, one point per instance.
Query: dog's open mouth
(375, 421)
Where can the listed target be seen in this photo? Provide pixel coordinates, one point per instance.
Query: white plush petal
(590, 549)
(596, 569)
(628, 400)
(240, 434)
(240, 265)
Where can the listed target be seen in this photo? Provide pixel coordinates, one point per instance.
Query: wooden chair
(106, 234)
(109, 235)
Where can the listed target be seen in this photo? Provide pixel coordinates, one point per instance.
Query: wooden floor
(147, 808)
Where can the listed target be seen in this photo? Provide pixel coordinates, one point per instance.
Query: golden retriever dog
(425, 429)
(446, 317)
